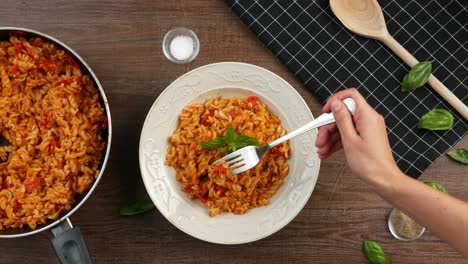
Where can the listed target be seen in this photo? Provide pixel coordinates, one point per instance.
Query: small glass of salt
(180, 45)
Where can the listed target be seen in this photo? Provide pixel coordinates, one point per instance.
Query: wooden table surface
(121, 40)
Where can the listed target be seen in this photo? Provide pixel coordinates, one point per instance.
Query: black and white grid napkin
(312, 43)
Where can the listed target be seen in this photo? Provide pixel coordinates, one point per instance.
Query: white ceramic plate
(191, 216)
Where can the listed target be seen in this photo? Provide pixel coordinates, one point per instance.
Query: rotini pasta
(51, 114)
(215, 186)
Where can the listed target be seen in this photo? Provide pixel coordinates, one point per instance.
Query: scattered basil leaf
(417, 76)
(437, 119)
(215, 143)
(265, 166)
(136, 208)
(230, 142)
(374, 252)
(460, 155)
(436, 186)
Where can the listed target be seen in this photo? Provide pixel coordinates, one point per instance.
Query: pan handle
(69, 244)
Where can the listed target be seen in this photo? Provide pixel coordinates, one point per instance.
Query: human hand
(362, 136)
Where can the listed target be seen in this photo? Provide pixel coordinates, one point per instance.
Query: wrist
(388, 180)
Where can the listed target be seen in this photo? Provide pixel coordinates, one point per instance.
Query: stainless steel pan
(68, 242)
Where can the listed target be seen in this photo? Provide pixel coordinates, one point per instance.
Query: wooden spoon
(365, 18)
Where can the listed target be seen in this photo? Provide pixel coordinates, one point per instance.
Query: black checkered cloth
(326, 57)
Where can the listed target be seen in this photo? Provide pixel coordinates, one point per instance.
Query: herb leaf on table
(136, 208)
(460, 155)
(417, 76)
(374, 252)
(437, 119)
(436, 186)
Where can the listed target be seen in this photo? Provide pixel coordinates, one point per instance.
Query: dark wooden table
(121, 40)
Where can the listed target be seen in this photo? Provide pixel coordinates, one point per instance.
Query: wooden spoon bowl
(364, 18)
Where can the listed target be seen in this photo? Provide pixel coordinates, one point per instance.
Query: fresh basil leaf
(436, 186)
(374, 252)
(244, 141)
(417, 76)
(230, 143)
(460, 155)
(437, 119)
(230, 147)
(136, 208)
(215, 143)
(231, 135)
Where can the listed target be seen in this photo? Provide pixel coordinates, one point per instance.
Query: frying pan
(68, 242)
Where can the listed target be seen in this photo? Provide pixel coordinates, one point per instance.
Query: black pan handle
(69, 244)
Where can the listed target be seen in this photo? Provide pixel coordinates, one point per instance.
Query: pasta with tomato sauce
(215, 185)
(51, 115)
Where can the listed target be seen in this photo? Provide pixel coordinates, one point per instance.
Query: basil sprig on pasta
(230, 142)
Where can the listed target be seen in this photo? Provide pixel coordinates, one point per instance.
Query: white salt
(181, 47)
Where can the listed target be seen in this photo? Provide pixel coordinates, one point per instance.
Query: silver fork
(248, 157)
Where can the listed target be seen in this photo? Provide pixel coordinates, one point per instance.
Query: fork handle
(322, 120)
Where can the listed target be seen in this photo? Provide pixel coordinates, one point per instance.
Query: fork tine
(234, 161)
(228, 157)
(243, 167)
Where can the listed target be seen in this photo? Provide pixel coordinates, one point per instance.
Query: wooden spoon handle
(438, 86)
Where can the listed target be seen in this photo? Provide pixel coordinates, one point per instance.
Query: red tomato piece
(53, 144)
(16, 206)
(58, 206)
(49, 65)
(64, 82)
(14, 69)
(220, 189)
(60, 165)
(232, 113)
(219, 169)
(202, 192)
(252, 100)
(5, 184)
(204, 120)
(30, 52)
(104, 123)
(32, 183)
(204, 199)
(188, 188)
(202, 195)
(19, 47)
(44, 122)
(47, 120)
(71, 60)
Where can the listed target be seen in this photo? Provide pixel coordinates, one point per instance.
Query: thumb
(344, 121)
